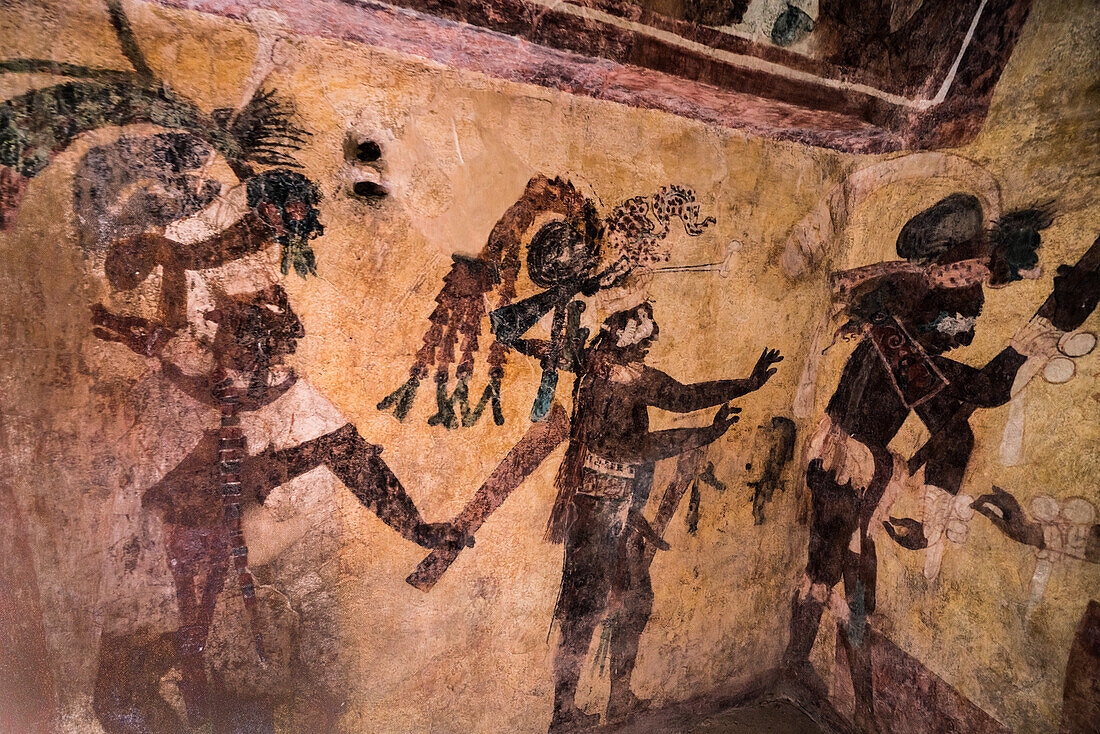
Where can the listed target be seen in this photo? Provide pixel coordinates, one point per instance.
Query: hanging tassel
(603, 650)
(231, 453)
(545, 397)
(548, 387)
(401, 399)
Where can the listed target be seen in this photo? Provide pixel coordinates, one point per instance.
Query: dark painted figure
(201, 500)
(775, 451)
(907, 315)
(203, 535)
(604, 483)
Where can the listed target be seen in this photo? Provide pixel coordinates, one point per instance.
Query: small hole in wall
(368, 151)
(369, 190)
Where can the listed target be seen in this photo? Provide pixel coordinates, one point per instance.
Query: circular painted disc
(1059, 370)
(1077, 343)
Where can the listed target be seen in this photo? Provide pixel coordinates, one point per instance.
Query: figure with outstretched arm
(203, 498)
(604, 483)
(907, 315)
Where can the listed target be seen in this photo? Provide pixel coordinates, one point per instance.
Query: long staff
(538, 443)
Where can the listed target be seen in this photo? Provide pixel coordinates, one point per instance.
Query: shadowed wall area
(522, 367)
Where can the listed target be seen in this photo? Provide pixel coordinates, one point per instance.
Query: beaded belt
(612, 468)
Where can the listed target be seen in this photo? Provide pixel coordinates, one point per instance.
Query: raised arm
(656, 445)
(148, 339)
(664, 392)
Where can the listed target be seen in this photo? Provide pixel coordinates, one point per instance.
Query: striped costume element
(231, 454)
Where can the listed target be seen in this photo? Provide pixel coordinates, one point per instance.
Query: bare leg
(1080, 705)
(197, 560)
(806, 613)
(584, 588)
(855, 637)
(576, 636)
(833, 519)
(360, 467)
(637, 605)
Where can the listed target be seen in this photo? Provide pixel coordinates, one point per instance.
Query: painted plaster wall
(472, 654)
(1041, 141)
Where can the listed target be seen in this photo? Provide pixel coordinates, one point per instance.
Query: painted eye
(273, 308)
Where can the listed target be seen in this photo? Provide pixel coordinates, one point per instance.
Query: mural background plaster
(458, 149)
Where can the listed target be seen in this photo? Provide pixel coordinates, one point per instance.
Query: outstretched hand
(141, 335)
(1004, 511)
(443, 536)
(763, 369)
(906, 532)
(726, 417)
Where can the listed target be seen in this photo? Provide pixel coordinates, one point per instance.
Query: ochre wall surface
(1041, 142)
(88, 425)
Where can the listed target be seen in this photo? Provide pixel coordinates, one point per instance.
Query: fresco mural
(562, 257)
(1059, 531)
(202, 534)
(803, 350)
(604, 482)
(904, 324)
(605, 577)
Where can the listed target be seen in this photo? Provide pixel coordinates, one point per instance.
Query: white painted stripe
(758, 64)
(942, 94)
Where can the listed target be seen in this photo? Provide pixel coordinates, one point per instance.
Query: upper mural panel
(870, 76)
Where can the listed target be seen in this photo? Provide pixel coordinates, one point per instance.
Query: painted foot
(572, 719)
(625, 706)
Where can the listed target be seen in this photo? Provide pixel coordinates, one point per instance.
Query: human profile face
(638, 335)
(256, 330)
